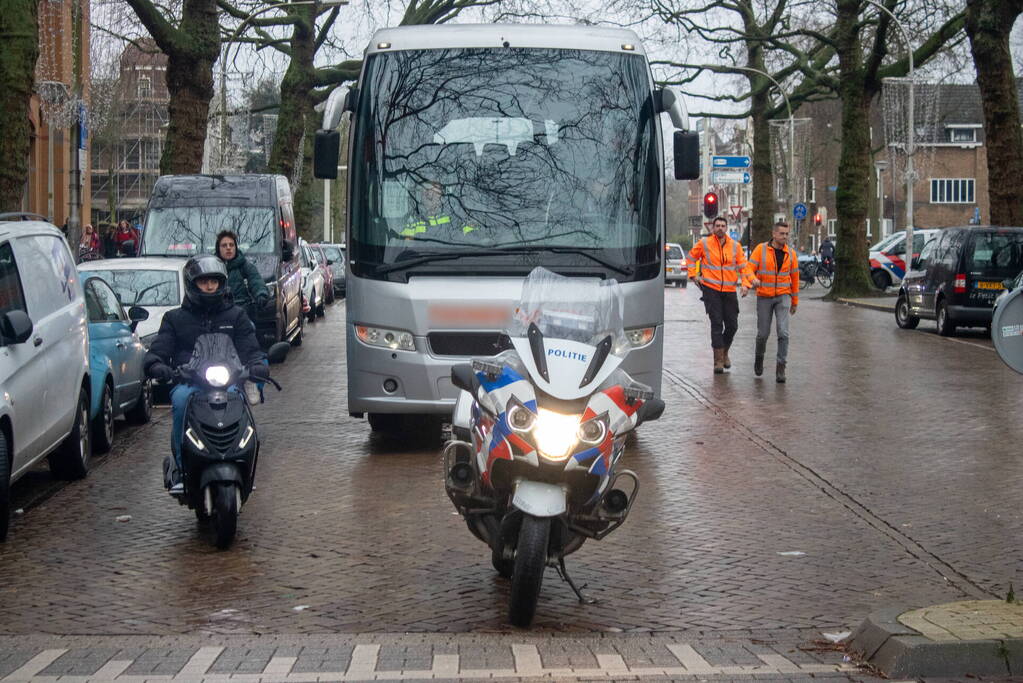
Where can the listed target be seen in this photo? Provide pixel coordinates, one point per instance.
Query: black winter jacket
(244, 280)
(182, 326)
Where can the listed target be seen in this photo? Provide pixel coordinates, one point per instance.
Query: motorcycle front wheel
(225, 513)
(530, 562)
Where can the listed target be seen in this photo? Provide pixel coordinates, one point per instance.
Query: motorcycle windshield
(215, 348)
(584, 310)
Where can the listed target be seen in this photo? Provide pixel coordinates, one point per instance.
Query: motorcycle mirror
(649, 411)
(278, 352)
(463, 377)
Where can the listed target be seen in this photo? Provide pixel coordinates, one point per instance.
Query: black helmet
(205, 265)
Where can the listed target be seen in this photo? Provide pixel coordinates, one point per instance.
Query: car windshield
(996, 254)
(143, 287)
(183, 231)
(674, 253)
(466, 151)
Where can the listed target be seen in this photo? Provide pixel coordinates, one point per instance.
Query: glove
(259, 371)
(160, 371)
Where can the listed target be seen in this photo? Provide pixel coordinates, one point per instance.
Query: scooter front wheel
(225, 513)
(530, 562)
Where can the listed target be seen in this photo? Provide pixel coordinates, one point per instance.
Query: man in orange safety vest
(722, 269)
(776, 265)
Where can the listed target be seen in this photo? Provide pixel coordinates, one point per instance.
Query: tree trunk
(19, 49)
(763, 178)
(287, 155)
(190, 84)
(988, 24)
(852, 277)
(309, 191)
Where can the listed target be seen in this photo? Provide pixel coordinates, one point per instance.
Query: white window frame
(953, 190)
(832, 226)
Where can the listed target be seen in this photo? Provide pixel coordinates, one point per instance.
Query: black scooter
(220, 447)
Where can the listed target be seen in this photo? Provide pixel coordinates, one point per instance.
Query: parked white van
(44, 357)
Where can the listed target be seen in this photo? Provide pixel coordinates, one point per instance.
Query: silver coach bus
(475, 154)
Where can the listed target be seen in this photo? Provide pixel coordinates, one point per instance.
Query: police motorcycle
(220, 446)
(540, 431)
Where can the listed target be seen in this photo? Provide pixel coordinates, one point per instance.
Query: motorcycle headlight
(593, 431)
(520, 418)
(218, 376)
(390, 339)
(555, 434)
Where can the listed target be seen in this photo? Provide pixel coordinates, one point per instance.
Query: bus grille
(468, 343)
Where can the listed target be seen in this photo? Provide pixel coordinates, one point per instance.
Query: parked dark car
(336, 255)
(186, 212)
(957, 277)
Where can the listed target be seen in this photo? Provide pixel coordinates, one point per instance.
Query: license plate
(990, 285)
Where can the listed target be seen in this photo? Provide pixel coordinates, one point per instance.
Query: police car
(888, 257)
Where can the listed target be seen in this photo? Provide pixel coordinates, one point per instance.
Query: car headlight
(386, 338)
(218, 376)
(555, 434)
(640, 336)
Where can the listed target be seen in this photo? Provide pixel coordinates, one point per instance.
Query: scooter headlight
(249, 432)
(555, 434)
(194, 438)
(218, 376)
(593, 431)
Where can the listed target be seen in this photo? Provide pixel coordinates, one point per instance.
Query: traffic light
(710, 205)
(818, 219)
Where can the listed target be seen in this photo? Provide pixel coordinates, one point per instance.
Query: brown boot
(727, 360)
(719, 361)
(779, 373)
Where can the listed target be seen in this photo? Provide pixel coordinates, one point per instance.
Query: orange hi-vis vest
(776, 280)
(723, 266)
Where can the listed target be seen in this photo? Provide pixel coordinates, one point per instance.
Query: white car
(888, 257)
(44, 358)
(675, 271)
(312, 282)
(156, 284)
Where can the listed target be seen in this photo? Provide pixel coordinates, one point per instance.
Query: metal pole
(326, 211)
(49, 173)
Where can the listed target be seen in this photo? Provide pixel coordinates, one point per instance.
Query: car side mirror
(1007, 283)
(137, 314)
(287, 250)
(651, 410)
(464, 378)
(278, 352)
(15, 326)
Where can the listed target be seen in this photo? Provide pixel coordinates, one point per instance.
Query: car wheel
(880, 279)
(142, 411)
(320, 307)
(312, 307)
(946, 328)
(903, 318)
(297, 341)
(71, 459)
(5, 486)
(685, 283)
(103, 425)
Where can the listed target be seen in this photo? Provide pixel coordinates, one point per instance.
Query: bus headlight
(218, 376)
(386, 338)
(640, 336)
(555, 434)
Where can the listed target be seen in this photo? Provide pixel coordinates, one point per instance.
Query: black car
(957, 277)
(186, 212)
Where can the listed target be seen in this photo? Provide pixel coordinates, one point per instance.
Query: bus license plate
(989, 285)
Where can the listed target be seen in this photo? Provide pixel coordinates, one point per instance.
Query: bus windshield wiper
(430, 258)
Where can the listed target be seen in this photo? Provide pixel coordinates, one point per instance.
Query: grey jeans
(779, 307)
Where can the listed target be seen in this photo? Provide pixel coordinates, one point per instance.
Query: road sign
(730, 162)
(731, 177)
(736, 210)
(734, 234)
(799, 211)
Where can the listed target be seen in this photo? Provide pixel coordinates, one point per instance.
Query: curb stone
(899, 651)
(879, 304)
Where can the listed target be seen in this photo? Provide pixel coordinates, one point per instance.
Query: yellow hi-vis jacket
(418, 227)
(722, 265)
(776, 280)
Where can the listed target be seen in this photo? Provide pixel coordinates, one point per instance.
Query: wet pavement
(883, 473)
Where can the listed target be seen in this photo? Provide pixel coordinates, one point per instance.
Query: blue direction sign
(799, 211)
(731, 176)
(730, 162)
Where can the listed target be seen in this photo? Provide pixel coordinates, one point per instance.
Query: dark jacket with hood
(182, 326)
(244, 280)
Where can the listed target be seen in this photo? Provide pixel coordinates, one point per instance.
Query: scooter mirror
(650, 411)
(463, 377)
(278, 352)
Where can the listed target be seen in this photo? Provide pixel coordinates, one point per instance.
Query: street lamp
(910, 135)
(880, 165)
(792, 131)
(227, 49)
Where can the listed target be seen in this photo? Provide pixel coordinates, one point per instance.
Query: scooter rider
(206, 309)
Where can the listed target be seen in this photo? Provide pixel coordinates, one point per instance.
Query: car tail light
(959, 286)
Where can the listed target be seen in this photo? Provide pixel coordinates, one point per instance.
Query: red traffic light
(817, 219)
(710, 205)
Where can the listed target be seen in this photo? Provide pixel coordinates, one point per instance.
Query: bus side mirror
(326, 152)
(687, 155)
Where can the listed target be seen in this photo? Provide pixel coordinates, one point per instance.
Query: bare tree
(988, 25)
(19, 50)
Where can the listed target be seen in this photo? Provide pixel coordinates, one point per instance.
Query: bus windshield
(506, 154)
(183, 231)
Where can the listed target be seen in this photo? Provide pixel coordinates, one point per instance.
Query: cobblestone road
(881, 474)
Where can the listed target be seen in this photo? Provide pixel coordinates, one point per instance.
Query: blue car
(119, 385)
